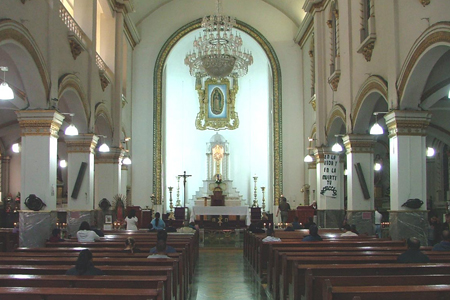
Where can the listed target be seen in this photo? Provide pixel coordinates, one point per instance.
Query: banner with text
(330, 171)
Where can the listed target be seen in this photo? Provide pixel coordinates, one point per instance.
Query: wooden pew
(406, 292)
(319, 284)
(55, 293)
(130, 282)
(304, 274)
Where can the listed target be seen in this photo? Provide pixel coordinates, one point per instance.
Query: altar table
(221, 210)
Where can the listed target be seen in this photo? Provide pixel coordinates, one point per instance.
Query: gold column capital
(407, 122)
(114, 156)
(39, 122)
(82, 143)
(358, 143)
(312, 165)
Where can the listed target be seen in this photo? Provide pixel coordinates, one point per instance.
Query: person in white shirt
(131, 220)
(378, 218)
(85, 234)
(270, 237)
(348, 231)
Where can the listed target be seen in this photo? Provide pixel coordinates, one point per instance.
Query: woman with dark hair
(131, 220)
(85, 234)
(130, 246)
(84, 265)
(157, 223)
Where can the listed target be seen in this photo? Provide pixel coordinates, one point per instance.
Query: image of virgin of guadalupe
(216, 102)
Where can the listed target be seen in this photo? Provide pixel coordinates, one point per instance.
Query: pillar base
(363, 220)
(406, 224)
(75, 217)
(35, 227)
(330, 218)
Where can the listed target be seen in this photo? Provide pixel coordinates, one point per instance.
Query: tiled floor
(224, 274)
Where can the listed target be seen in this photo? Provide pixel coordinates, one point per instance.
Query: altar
(221, 211)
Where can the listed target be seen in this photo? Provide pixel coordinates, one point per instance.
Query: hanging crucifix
(184, 186)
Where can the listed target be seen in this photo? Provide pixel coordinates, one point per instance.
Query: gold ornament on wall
(217, 104)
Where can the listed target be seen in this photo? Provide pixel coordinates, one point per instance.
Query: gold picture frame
(217, 104)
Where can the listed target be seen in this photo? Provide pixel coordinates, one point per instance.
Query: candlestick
(263, 199)
(178, 192)
(171, 216)
(255, 201)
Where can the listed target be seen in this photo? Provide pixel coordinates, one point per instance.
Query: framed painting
(108, 219)
(217, 104)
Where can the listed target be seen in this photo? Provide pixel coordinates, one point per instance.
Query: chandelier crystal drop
(217, 51)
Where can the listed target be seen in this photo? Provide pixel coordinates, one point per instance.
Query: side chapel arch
(158, 92)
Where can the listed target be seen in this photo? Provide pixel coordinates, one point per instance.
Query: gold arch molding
(72, 82)
(276, 104)
(338, 112)
(101, 110)
(13, 31)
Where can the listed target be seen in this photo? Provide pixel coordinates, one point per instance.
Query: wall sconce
(15, 148)
(6, 93)
(103, 147)
(376, 129)
(337, 147)
(430, 152)
(71, 129)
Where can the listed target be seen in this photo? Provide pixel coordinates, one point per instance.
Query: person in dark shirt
(296, 224)
(313, 235)
(443, 245)
(256, 227)
(413, 254)
(162, 235)
(84, 265)
(170, 227)
(56, 236)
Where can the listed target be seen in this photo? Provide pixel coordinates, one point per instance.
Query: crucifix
(184, 186)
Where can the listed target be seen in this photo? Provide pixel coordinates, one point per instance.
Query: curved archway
(372, 96)
(158, 96)
(336, 121)
(103, 122)
(72, 98)
(422, 57)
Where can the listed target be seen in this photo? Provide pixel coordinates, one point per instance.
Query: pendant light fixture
(376, 129)
(337, 147)
(103, 147)
(71, 129)
(6, 93)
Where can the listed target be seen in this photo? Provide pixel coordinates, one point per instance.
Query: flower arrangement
(218, 179)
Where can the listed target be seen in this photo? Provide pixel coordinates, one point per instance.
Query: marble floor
(225, 274)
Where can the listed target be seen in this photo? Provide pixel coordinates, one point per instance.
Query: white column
(80, 150)
(407, 150)
(359, 149)
(108, 175)
(124, 179)
(39, 130)
(312, 181)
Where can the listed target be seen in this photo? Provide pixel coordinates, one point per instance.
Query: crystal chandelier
(218, 52)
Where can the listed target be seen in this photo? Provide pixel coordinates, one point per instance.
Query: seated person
(186, 228)
(270, 237)
(313, 235)
(256, 227)
(289, 227)
(348, 231)
(170, 227)
(296, 224)
(162, 236)
(443, 245)
(264, 216)
(84, 265)
(309, 223)
(192, 225)
(354, 229)
(158, 223)
(85, 234)
(56, 236)
(130, 246)
(160, 250)
(413, 254)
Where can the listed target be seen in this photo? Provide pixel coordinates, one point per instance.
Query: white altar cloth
(221, 210)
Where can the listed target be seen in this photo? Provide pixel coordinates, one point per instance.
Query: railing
(100, 63)
(71, 24)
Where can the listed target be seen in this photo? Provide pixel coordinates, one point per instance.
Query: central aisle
(224, 274)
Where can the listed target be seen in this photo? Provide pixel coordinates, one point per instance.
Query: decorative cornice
(104, 79)
(131, 32)
(366, 47)
(358, 143)
(407, 122)
(82, 143)
(312, 165)
(305, 30)
(39, 122)
(311, 5)
(333, 80)
(114, 156)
